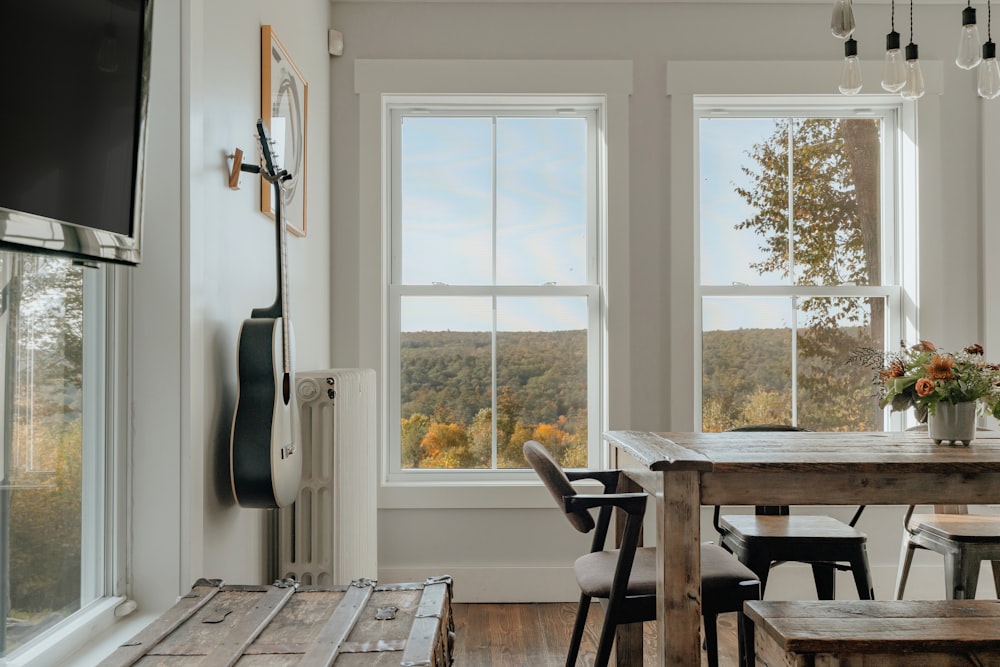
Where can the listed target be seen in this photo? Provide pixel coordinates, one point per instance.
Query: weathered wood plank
(327, 644)
(227, 651)
(655, 452)
(941, 632)
(826, 488)
(430, 625)
(678, 576)
(130, 652)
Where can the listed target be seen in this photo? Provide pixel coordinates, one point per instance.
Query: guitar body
(266, 469)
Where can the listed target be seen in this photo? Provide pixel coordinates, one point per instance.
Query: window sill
(469, 495)
(82, 641)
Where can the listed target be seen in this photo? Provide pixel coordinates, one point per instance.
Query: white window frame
(103, 551)
(889, 287)
(919, 188)
(589, 108)
(378, 81)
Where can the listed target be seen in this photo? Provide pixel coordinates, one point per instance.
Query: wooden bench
(862, 633)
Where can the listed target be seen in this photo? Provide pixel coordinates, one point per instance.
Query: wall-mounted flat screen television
(73, 127)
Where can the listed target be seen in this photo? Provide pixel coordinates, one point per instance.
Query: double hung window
(798, 260)
(58, 526)
(493, 289)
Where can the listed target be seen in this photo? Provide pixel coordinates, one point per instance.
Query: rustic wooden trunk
(286, 625)
(897, 633)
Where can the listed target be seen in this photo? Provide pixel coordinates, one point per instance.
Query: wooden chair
(772, 535)
(626, 578)
(965, 540)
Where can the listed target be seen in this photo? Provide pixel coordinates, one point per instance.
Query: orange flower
(924, 387)
(924, 346)
(975, 348)
(942, 367)
(895, 369)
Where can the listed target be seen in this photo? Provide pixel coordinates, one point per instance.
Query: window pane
(836, 172)
(446, 358)
(835, 203)
(740, 233)
(833, 393)
(447, 381)
(746, 362)
(447, 201)
(41, 479)
(542, 378)
(541, 201)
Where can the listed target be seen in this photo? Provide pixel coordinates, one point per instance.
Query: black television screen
(74, 125)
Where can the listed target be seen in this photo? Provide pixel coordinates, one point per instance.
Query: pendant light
(989, 70)
(969, 45)
(914, 86)
(850, 76)
(894, 68)
(842, 21)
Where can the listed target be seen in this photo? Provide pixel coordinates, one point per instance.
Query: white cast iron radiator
(329, 535)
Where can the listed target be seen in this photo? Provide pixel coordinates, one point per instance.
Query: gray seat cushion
(721, 573)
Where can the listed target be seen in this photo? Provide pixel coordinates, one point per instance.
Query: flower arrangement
(921, 376)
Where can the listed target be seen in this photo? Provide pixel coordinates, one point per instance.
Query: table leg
(678, 576)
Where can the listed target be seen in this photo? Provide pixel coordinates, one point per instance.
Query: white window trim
(921, 174)
(105, 480)
(990, 207)
(376, 79)
(588, 108)
(784, 106)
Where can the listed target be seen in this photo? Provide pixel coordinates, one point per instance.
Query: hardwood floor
(537, 635)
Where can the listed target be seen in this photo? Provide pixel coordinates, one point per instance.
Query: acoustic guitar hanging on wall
(265, 462)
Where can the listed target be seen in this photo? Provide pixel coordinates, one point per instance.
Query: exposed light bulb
(842, 22)
(894, 69)
(989, 72)
(914, 86)
(968, 43)
(850, 76)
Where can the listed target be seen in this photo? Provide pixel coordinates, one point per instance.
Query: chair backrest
(558, 484)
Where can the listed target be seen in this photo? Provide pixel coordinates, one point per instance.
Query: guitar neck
(279, 222)
(280, 306)
(276, 176)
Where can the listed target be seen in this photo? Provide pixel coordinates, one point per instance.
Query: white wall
(508, 551)
(209, 259)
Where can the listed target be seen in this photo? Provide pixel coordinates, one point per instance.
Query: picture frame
(284, 106)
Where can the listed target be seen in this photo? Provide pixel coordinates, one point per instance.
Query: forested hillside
(446, 392)
(451, 371)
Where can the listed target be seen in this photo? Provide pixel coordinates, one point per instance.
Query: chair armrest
(608, 478)
(633, 503)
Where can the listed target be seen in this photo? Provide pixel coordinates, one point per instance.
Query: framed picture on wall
(284, 106)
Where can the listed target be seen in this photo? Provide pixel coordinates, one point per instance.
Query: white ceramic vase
(953, 422)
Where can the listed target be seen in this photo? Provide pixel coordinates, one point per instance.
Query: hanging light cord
(911, 21)
(892, 16)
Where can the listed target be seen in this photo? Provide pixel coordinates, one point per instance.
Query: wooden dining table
(683, 471)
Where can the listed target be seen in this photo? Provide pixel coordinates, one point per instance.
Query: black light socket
(850, 47)
(989, 50)
(911, 51)
(969, 16)
(892, 41)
